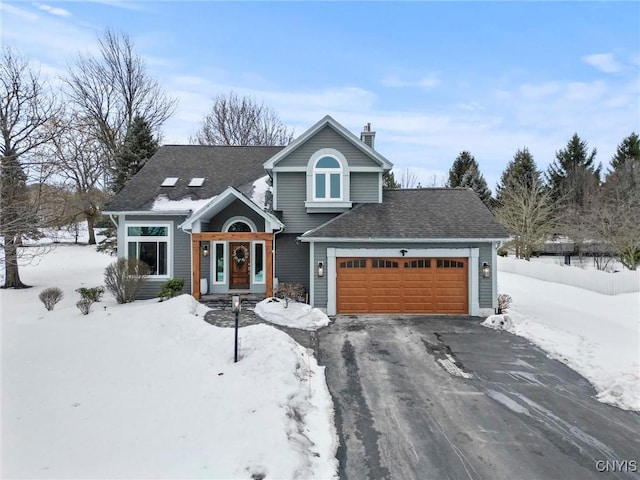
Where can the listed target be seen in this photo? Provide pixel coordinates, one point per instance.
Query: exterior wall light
(486, 270)
(321, 269)
(205, 251)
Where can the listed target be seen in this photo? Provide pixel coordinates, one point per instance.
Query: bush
(125, 277)
(50, 296)
(84, 305)
(290, 291)
(503, 252)
(171, 288)
(94, 294)
(504, 302)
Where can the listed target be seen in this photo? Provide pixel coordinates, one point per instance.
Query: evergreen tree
(624, 170)
(573, 174)
(461, 164)
(628, 150)
(139, 145)
(465, 172)
(521, 170)
(389, 181)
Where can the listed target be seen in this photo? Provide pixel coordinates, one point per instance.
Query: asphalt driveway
(445, 398)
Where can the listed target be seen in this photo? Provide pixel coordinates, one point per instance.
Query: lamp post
(235, 308)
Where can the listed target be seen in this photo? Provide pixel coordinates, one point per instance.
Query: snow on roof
(260, 188)
(163, 204)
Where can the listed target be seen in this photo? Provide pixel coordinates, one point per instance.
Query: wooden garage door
(402, 285)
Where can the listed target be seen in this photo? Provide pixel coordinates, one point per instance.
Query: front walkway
(226, 319)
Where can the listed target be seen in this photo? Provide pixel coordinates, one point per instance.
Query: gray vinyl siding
(320, 255)
(180, 252)
(236, 209)
(485, 285)
(291, 195)
(365, 187)
(292, 260)
(327, 138)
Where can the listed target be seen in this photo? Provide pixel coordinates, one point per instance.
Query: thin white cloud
(603, 62)
(57, 11)
(429, 81)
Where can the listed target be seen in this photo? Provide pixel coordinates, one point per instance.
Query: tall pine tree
(465, 172)
(573, 174)
(625, 164)
(139, 145)
(521, 170)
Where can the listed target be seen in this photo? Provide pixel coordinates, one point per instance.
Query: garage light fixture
(486, 270)
(320, 269)
(205, 251)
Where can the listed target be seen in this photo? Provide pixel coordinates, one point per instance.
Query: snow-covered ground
(149, 390)
(596, 335)
(297, 315)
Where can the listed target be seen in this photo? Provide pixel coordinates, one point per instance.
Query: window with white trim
(150, 243)
(327, 179)
(220, 263)
(258, 263)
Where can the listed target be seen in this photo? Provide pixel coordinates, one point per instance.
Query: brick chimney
(367, 136)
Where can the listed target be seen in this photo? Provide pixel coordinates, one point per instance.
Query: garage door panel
(399, 285)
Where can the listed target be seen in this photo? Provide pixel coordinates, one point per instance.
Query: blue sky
(433, 78)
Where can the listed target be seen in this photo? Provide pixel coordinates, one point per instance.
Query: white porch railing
(589, 279)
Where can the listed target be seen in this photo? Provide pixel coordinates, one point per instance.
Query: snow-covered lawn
(149, 390)
(596, 335)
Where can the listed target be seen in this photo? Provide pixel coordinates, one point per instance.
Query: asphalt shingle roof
(220, 166)
(429, 213)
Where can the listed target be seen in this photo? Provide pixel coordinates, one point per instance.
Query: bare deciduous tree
(27, 114)
(111, 89)
(239, 121)
(408, 178)
(80, 163)
(527, 215)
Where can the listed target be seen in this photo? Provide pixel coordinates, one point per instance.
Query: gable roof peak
(328, 120)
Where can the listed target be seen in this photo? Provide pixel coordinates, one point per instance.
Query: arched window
(239, 224)
(327, 179)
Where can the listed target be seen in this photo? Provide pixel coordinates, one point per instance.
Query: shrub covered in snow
(504, 302)
(171, 288)
(499, 322)
(290, 291)
(84, 305)
(50, 296)
(94, 294)
(125, 277)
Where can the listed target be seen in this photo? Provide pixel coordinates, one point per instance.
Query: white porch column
(331, 281)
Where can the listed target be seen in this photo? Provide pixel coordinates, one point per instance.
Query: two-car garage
(402, 285)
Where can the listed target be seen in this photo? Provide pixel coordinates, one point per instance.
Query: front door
(239, 265)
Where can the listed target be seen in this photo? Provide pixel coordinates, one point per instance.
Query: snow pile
(150, 390)
(163, 204)
(596, 335)
(296, 315)
(260, 188)
(499, 322)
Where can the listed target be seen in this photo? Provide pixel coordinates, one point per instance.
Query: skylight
(169, 182)
(196, 182)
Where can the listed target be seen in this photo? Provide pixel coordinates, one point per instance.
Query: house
(240, 219)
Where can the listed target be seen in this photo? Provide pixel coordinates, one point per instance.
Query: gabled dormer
(325, 171)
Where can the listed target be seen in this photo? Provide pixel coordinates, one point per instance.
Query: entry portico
(232, 246)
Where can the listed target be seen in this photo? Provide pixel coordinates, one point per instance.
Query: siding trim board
(472, 253)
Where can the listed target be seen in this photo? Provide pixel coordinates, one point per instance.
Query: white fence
(589, 279)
